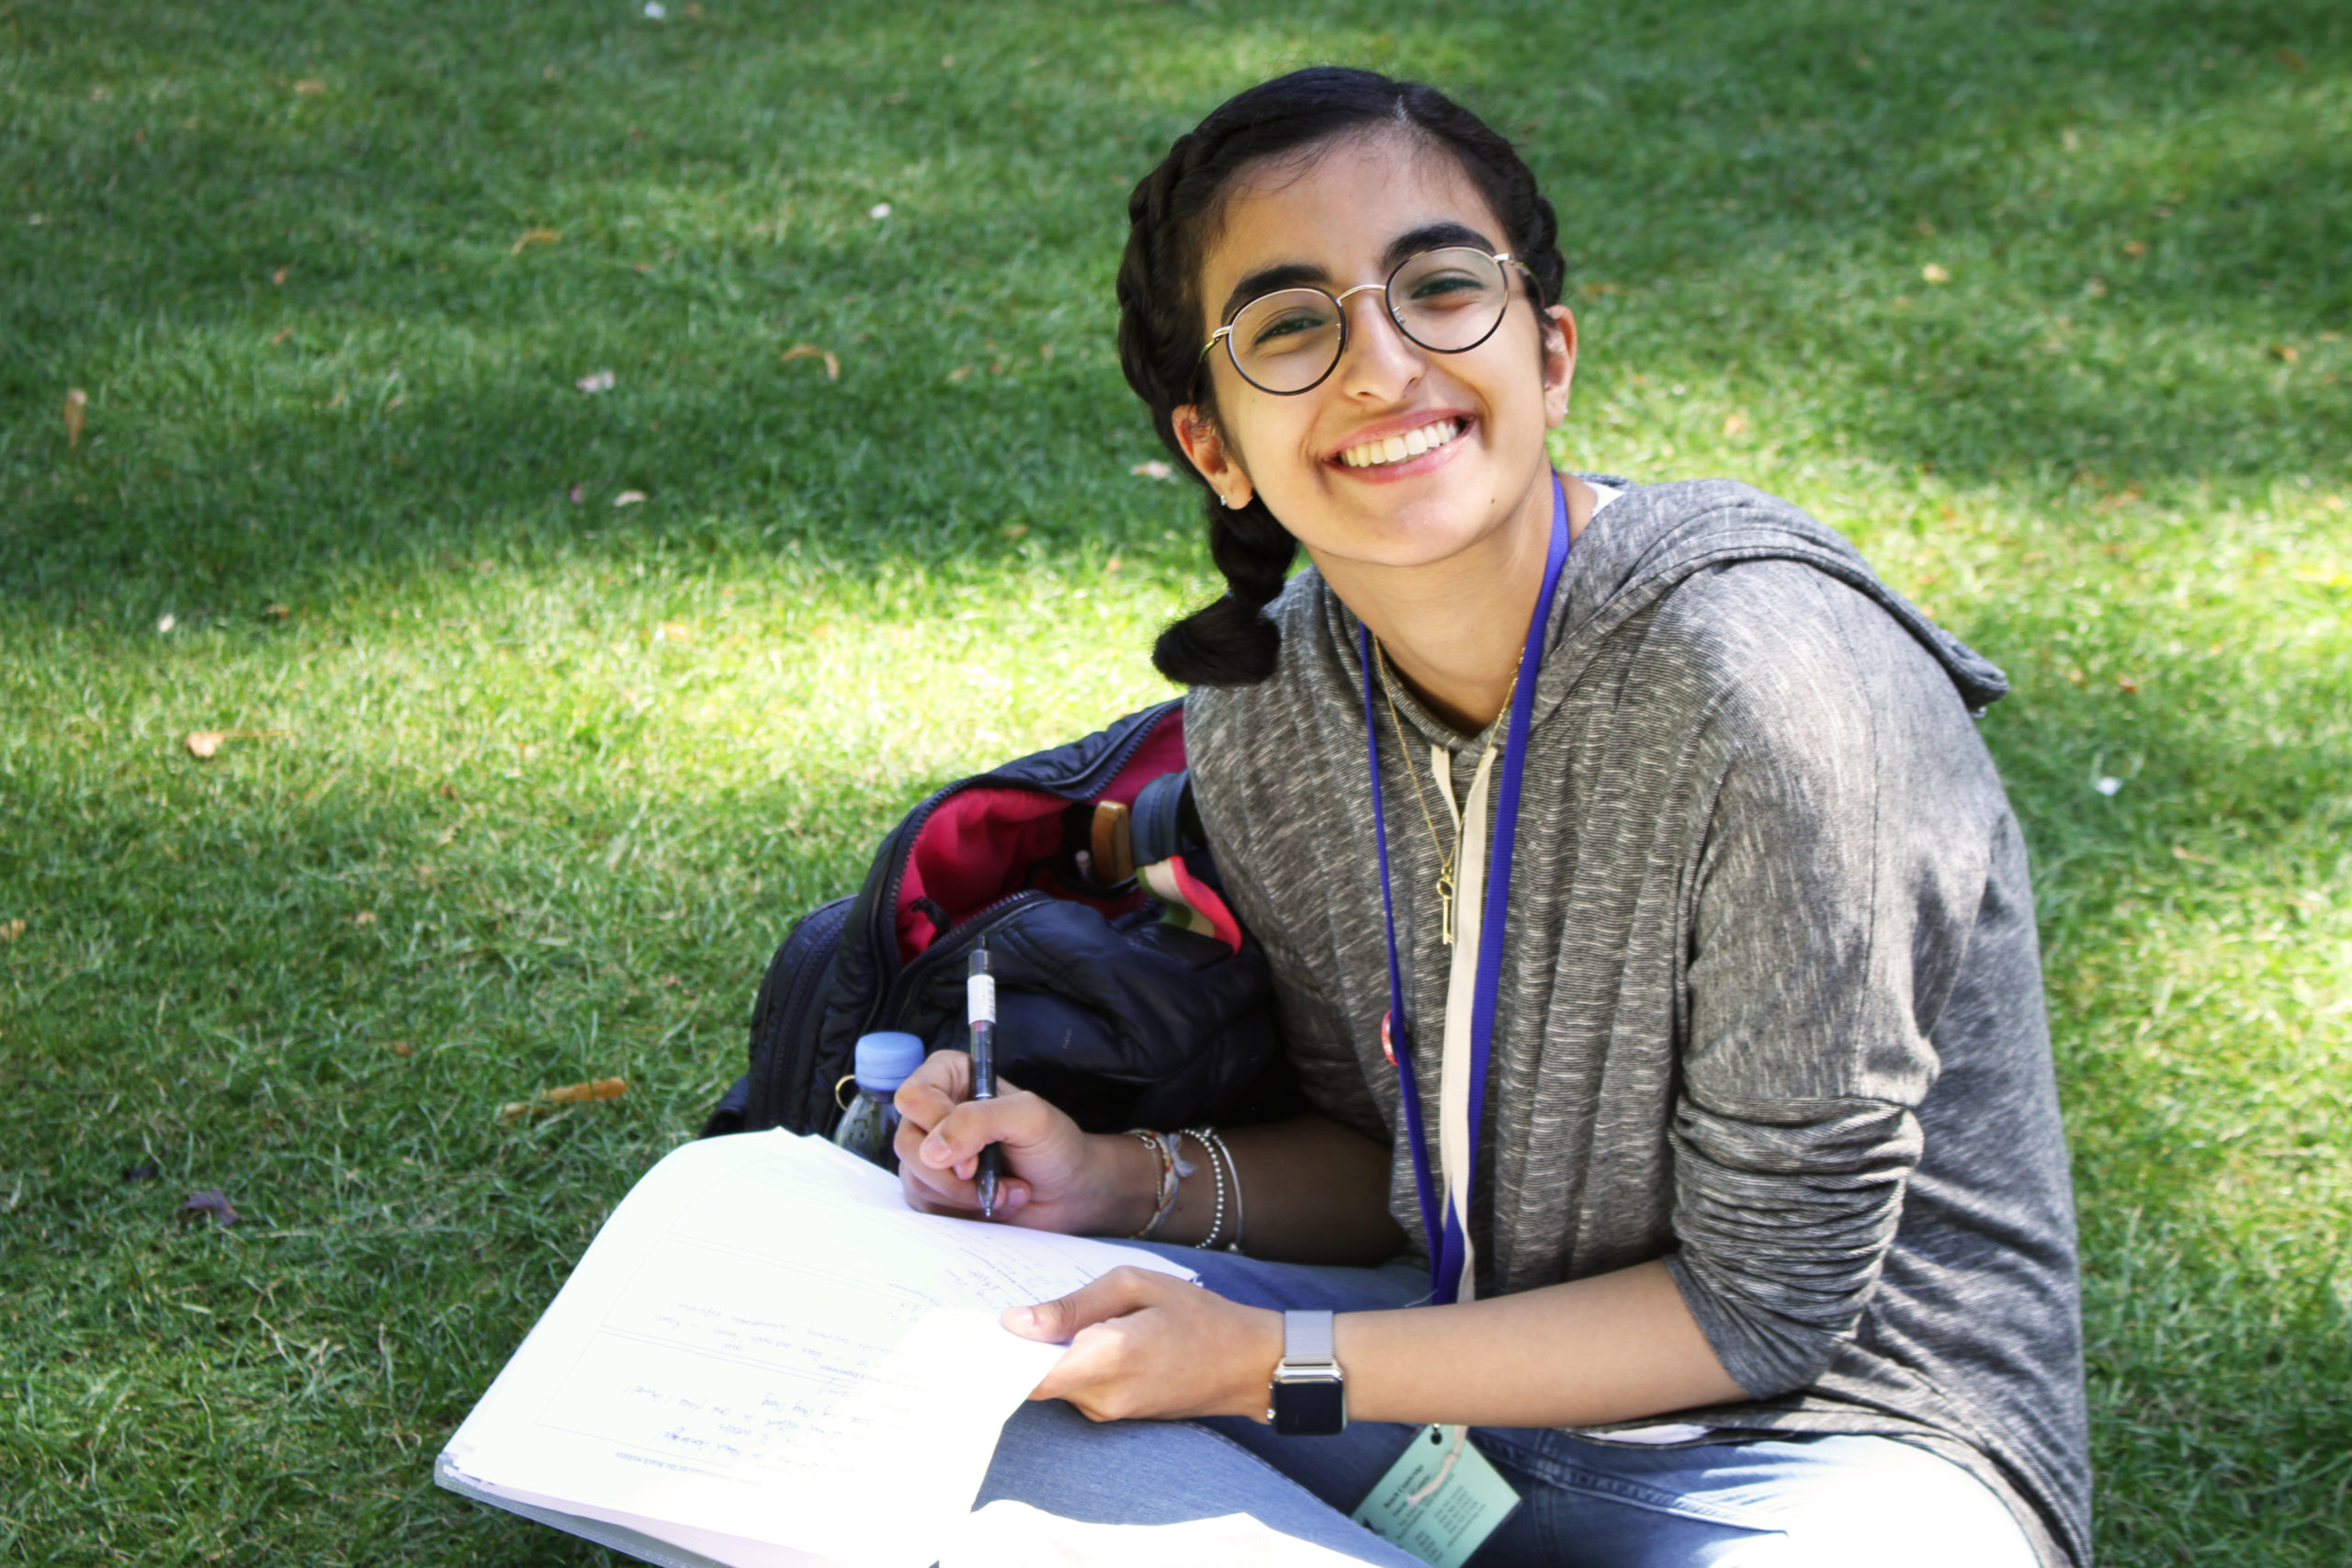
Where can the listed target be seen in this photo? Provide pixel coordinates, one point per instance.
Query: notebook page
(764, 1344)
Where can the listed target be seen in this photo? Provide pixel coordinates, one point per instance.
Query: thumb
(1058, 1321)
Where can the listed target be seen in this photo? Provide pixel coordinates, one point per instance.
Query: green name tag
(1441, 1500)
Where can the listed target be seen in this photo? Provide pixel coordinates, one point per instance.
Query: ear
(1559, 362)
(1206, 446)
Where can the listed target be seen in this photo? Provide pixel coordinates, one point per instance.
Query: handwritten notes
(765, 1358)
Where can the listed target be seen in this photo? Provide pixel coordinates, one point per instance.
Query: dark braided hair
(1230, 642)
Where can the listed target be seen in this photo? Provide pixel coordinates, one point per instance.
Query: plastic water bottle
(885, 1061)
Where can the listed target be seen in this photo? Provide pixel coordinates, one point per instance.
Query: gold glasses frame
(1502, 260)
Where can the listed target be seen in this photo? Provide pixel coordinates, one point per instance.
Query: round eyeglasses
(1448, 301)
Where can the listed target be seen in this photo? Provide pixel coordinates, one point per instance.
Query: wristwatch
(1308, 1397)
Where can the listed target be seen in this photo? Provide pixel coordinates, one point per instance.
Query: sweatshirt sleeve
(1314, 1031)
(1835, 891)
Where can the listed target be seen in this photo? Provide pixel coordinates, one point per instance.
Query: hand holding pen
(980, 995)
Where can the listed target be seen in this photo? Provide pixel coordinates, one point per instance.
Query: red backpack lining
(985, 844)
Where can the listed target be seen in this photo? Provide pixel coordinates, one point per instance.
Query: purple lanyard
(1447, 1244)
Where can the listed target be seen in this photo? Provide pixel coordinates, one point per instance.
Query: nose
(1379, 362)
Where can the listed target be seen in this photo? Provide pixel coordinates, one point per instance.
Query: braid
(1229, 642)
(1171, 214)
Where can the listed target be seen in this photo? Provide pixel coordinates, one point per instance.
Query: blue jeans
(1802, 1502)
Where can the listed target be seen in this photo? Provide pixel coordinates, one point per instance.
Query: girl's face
(1346, 215)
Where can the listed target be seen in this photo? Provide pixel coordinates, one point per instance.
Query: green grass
(553, 776)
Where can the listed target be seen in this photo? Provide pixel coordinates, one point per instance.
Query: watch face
(1310, 1407)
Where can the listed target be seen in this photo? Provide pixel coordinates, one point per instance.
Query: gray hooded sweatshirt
(1771, 999)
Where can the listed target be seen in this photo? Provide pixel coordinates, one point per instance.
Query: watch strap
(1307, 1337)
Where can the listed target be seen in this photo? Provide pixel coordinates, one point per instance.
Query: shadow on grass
(1769, 171)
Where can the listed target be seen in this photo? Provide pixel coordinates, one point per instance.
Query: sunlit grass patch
(2044, 306)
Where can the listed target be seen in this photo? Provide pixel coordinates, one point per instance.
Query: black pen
(979, 996)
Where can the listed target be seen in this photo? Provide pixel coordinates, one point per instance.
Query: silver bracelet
(1234, 1171)
(1207, 1140)
(1221, 1159)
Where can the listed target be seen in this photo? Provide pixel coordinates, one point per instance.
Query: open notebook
(767, 1360)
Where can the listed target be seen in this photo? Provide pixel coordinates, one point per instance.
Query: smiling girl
(1651, 932)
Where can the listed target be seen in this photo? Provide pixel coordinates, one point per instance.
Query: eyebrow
(1298, 275)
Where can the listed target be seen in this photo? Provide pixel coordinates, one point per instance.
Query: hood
(1652, 536)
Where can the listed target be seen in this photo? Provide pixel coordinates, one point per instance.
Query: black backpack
(1126, 992)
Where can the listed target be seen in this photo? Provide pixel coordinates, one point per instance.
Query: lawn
(2043, 304)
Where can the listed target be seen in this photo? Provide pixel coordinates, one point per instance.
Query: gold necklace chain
(1446, 857)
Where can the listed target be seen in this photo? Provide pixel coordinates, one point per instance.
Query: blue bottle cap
(887, 1059)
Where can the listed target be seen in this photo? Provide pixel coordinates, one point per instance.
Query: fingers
(944, 1192)
(940, 1084)
(938, 1168)
(1015, 1118)
(1115, 1294)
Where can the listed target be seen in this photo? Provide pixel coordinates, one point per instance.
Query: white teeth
(1397, 449)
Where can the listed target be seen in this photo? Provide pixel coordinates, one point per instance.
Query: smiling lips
(1397, 448)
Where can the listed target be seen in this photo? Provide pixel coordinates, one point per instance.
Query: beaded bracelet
(1221, 1165)
(1202, 1135)
(1235, 1171)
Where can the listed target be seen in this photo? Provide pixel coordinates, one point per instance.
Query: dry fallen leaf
(401, 1048)
(534, 237)
(309, 87)
(10, 930)
(275, 612)
(283, 334)
(1736, 424)
(2135, 247)
(364, 918)
(278, 278)
(594, 1088)
(568, 1094)
(2287, 352)
(77, 404)
(1935, 274)
(1152, 468)
(811, 350)
(2290, 59)
(208, 742)
(961, 372)
(629, 497)
(208, 1204)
